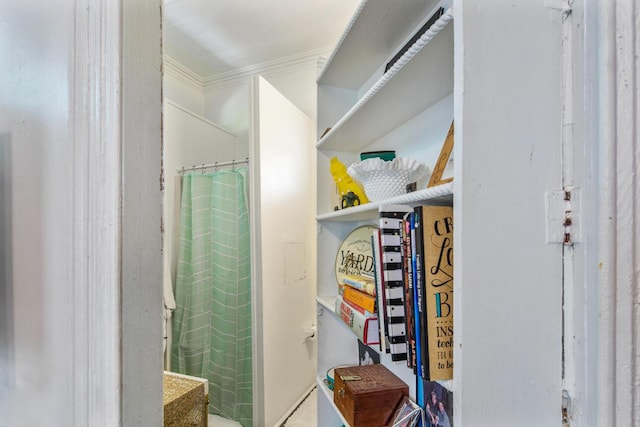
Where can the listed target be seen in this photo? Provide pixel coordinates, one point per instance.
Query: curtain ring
(216, 167)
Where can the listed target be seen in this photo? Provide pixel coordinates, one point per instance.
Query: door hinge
(563, 220)
(566, 408)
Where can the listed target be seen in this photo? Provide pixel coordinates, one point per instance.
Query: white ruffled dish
(384, 179)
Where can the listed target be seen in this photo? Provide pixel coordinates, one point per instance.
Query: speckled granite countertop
(185, 401)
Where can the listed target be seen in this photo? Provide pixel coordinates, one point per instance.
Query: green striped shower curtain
(212, 320)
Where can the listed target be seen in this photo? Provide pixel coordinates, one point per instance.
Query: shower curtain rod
(214, 165)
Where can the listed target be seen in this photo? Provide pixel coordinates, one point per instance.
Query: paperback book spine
(418, 283)
(419, 318)
(408, 292)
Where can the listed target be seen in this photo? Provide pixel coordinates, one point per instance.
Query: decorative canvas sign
(355, 254)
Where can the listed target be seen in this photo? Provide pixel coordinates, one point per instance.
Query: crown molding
(311, 59)
(274, 68)
(185, 75)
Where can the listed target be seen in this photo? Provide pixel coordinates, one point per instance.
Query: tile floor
(216, 421)
(304, 416)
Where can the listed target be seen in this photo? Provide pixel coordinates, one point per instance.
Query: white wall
(299, 87)
(176, 89)
(189, 139)
(285, 249)
(228, 104)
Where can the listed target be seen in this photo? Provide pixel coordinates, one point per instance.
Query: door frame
(116, 289)
(601, 336)
(618, 210)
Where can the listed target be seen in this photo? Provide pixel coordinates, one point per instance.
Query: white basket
(382, 180)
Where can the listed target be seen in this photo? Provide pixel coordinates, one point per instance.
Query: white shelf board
(328, 394)
(328, 302)
(420, 78)
(376, 31)
(440, 194)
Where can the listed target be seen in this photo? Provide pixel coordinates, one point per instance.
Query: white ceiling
(211, 37)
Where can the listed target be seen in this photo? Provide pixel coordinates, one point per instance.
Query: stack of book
(356, 305)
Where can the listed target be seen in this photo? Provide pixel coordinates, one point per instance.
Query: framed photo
(407, 414)
(367, 355)
(438, 409)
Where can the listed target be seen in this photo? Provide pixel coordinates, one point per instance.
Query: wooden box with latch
(367, 395)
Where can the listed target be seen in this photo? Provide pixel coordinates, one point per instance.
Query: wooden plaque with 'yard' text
(437, 225)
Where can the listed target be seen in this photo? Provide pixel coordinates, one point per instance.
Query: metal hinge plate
(563, 216)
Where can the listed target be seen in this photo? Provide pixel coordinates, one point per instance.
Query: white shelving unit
(409, 109)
